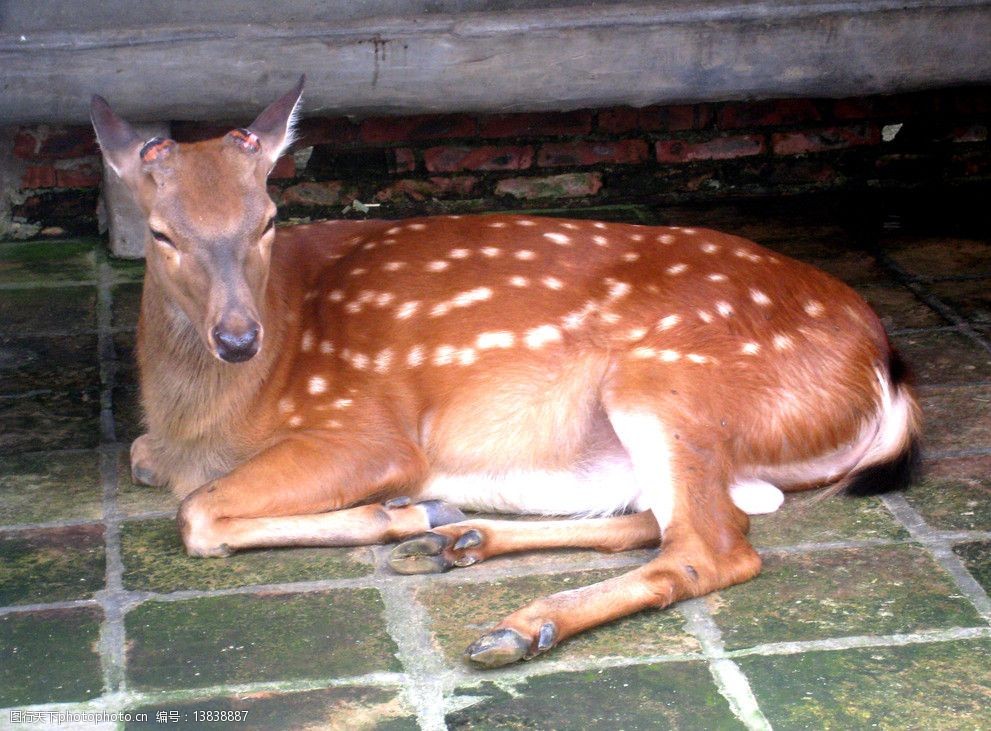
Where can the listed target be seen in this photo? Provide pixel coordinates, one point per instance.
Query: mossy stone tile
(854, 591)
(47, 310)
(127, 270)
(51, 565)
(48, 365)
(48, 261)
(944, 357)
(154, 560)
(676, 695)
(49, 656)
(898, 307)
(50, 421)
(460, 613)
(128, 415)
(345, 708)
(42, 487)
(136, 500)
(956, 418)
(126, 305)
(940, 257)
(977, 557)
(955, 494)
(807, 518)
(936, 686)
(257, 638)
(970, 298)
(126, 364)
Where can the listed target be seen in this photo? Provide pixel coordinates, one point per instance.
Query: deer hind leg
(704, 545)
(300, 492)
(471, 541)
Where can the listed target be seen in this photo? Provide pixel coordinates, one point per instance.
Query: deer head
(211, 223)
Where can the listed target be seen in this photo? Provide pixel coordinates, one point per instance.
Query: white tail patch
(756, 497)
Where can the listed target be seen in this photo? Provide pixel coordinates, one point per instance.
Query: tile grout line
(731, 681)
(940, 548)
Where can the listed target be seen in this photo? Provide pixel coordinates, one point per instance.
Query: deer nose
(236, 346)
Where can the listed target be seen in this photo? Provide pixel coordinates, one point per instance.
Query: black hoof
(144, 476)
(441, 513)
(469, 539)
(498, 648)
(421, 555)
(397, 502)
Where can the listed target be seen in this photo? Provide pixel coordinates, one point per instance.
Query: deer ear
(273, 128)
(118, 140)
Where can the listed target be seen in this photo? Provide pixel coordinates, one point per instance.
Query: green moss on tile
(970, 298)
(836, 593)
(807, 518)
(47, 310)
(48, 261)
(154, 560)
(51, 565)
(49, 657)
(257, 638)
(955, 494)
(938, 686)
(937, 257)
(50, 421)
(343, 709)
(898, 307)
(126, 305)
(127, 270)
(677, 695)
(128, 416)
(460, 613)
(43, 487)
(43, 365)
(977, 558)
(944, 357)
(956, 418)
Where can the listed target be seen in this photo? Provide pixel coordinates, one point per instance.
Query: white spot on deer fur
(636, 333)
(631, 256)
(618, 289)
(393, 266)
(440, 309)
(437, 266)
(750, 348)
(467, 356)
(552, 283)
(525, 255)
(636, 237)
(335, 295)
(665, 239)
(669, 356)
(342, 403)
(643, 353)
(759, 297)
(497, 339)
(696, 358)
(599, 224)
(675, 269)
(306, 343)
(310, 296)
(782, 342)
(384, 298)
(383, 360)
(416, 226)
(574, 320)
(748, 255)
(518, 281)
(366, 295)
(497, 224)
(666, 323)
(392, 231)
(559, 239)
(353, 307)
(358, 271)
(570, 226)
(369, 246)
(724, 308)
(704, 316)
(610, 317)
(326, 347)
(296, 421)
(444, 355)
(407, 310)
(525, 222)
(709, 248)
(415, 356)
(286, 406)
(538, 337)
(600, 240)
(359, 361)
(814, 308)
(459, 253)
(491, 251)
(317, 385)
(479, 294)
(716, 277)
(388, 242)
(332, 424)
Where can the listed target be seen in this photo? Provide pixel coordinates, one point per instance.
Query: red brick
(402, 160)
(419, 190)
(562, 154)
(852, 109)
(536, 124)
(827, 138)
(774, 113)
(285, 167)
(326, 131)
(39, 176)
(569, 185)
(718, 148)
(48, 142)
(421, 127)
(619, 120)
(452, 159)
(328, 193)
(86, 174)
(677, 118)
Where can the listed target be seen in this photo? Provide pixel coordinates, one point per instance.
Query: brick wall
(461, 162)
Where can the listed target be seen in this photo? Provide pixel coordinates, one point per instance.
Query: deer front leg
(144, 470)
(299, 492)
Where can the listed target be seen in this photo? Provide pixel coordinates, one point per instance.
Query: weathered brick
(285, 167)
(543, 124)
(677, 118)
(449, 159)
(768, 113)
(420, 127)
(619, 120)
(402, 160)
(338, 131)
(562, 154)
(853, 108)
(969, 133)
(827, 138)
(718, 148)
(403, 191)
(39, 176)
(327, 193)
(50, 142)
(569, 185)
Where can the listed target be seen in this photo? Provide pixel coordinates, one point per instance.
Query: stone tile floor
(870, 613)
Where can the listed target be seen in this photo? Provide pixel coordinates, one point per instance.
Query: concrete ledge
(561, 57)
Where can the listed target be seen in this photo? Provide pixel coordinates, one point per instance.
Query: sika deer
(348, 383)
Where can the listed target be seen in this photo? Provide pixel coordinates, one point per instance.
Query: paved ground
(869, 613)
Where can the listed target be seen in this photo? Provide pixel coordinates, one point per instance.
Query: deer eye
(162, 238)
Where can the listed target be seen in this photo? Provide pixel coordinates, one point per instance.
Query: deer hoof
(421, 555)
(441, 513)
(497, 648)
